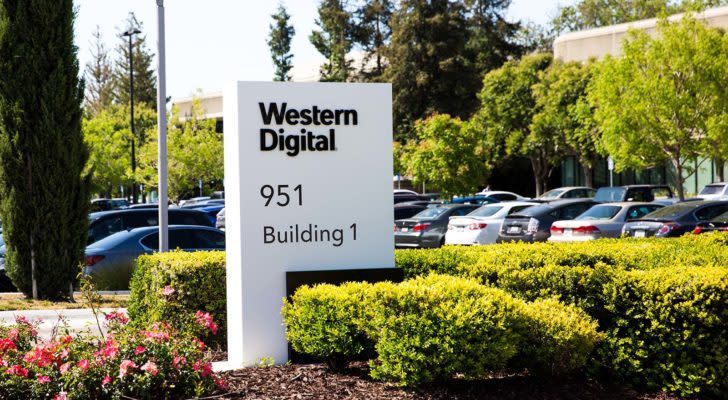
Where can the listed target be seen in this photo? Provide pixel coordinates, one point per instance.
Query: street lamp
(131, 32)
(162, 130)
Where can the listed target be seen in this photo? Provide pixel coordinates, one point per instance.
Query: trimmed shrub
(436, 327)
(670, 329)
(175, 286)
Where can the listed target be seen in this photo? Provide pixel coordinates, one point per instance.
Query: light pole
(162, 130)
(130, 33)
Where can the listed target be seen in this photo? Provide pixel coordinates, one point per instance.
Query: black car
(407, 197)
(407, 210)
(98, 205)
(675, 220)
(427, 228)
(533, 224)
(645, 193)
(719, 223)
(103, 224)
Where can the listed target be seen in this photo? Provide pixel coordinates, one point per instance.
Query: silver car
(110, 261)
(600, 221)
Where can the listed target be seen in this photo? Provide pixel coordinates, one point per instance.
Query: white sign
(610, 163)
(308, 172)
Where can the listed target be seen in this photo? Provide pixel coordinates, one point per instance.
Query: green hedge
(663, 303)
(197, 281)
(435, 327)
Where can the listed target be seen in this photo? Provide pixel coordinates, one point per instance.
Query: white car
(503, 196)
(601, 221)
(404, 191)
(568, 192)
(483, 224)
(714, 191)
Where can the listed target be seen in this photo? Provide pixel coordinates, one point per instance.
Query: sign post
(308, 172)
(610, 166)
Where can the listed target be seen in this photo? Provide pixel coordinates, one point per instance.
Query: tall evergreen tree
(279, 41)
(427, 64)
(98, 76)
(372, 32)
(492, 38)
(334, 39)
(145, 78)
(42, 151)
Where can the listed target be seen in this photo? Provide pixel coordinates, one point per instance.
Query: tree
(372, 32)
(427, 67)
(195, 151)
(654, 103)
(333, 40)
(98, 76)
(42, 151)
(505, 119)
(279, 41)
(445, 155)
(564, 112)
(145, 78)
(491, 37)
(108, 137)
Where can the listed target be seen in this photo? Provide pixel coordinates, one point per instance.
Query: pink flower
(65, 367)
(151, 368)
(139, 350)
(198, 342)
(6, 344)
(18, 370)
(205, 369)
(66, 339)
(106, 380)
(43, 379)
(13, 334)
(83, 364)
(125, 366)
(205, 319)
(178, 362)
(220, 383)
(117, 317)
(168, 291)
(60, 396)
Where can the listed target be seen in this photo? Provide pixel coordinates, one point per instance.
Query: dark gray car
(110, 261)
(427, 229)
(533, 224)
(103, 224)
(676, 220)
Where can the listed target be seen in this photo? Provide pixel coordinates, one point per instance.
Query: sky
(212, 42)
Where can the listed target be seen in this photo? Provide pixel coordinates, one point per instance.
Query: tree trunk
(679, 180)
(538, 175)
(589, 176)
(719, 167)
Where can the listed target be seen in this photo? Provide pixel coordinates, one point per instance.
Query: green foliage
(334, 39)
(145, 76)
(279, 41)
(436, 327)
(660, 302)
(98, 76)
(587, 14)
(195, 151)
(108, 137)
(42, 151)
(194, 282)
(372, 32)
(445, 155)
(657, 99)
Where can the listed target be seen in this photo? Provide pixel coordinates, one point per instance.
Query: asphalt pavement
(76, 320)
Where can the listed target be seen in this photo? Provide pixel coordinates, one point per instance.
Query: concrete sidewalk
(77, 319)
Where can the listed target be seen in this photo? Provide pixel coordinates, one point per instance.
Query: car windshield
(599, 212)
(485, 211)
(431, 212)
(670, 212)
(552, 194)
(712, 189)
(721, 218)
(605, 195)
(532, 211)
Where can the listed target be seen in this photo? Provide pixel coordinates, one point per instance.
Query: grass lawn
(16, 301)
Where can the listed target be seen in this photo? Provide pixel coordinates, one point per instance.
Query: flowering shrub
(151, 363)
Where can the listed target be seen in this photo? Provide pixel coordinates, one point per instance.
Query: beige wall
(596, 43)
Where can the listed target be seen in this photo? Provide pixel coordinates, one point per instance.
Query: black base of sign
(294, 280)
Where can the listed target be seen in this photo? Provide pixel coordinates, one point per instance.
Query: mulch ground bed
(316, 381)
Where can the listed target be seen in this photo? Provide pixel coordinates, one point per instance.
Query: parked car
(600, 221)
(407, 197)
(503, 196)
(103, 224)
(533, 224)
(643, 193)
(714, 191)
(220, 222)
(211, 211)
(407, 210)
(477, 199)
(204, 203)
(719, 223)
(110, 261)
(193, 200)
(404, 191)
(428, 227)
(675, 220)
(143, 205)
(108, 204)
(220, 194)
(567, 192)
(483, 224)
